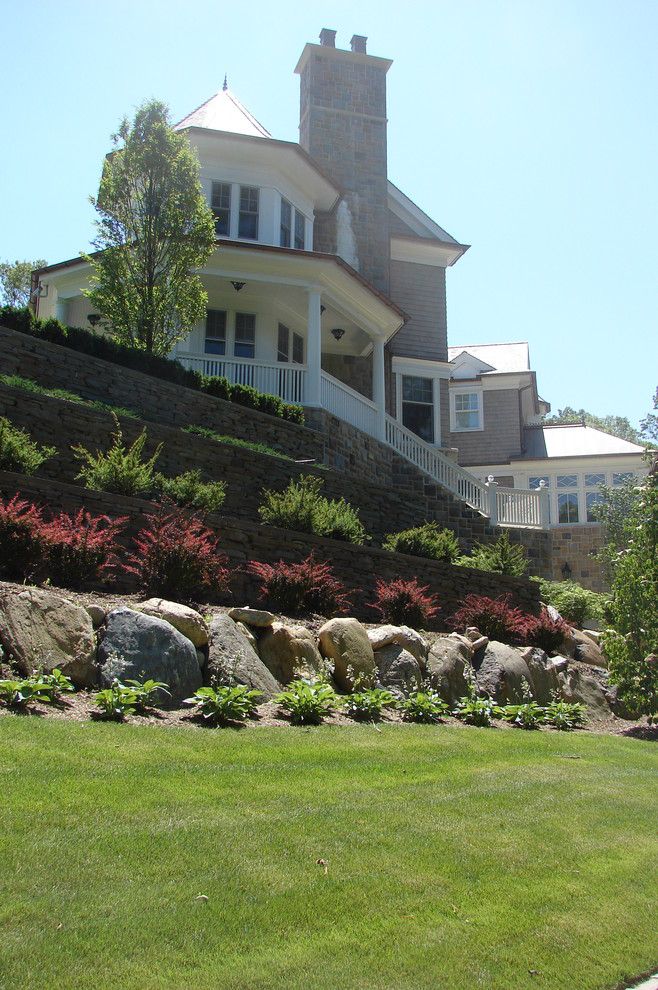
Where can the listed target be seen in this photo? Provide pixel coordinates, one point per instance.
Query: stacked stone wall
(576, 546)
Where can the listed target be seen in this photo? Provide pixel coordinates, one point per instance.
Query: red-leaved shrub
(404, 602)
(21, 541)
(307, 586)
(176, 556)
(542, 631)
(494, 617)
(81, 548)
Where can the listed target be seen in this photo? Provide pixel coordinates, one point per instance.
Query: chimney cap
(328, 38)
(358, 43)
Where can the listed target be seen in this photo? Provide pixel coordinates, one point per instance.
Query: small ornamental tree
(154, 228)
(16, 281)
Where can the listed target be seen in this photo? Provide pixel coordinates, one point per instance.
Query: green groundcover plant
(18, 451)
(427, 541)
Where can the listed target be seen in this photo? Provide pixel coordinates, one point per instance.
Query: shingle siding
(420, 290)
(501, 437)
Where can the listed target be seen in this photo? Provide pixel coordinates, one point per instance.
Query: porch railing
(520, 507)
(288, 381)
(347, 404)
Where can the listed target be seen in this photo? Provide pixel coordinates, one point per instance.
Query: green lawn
(457, 858)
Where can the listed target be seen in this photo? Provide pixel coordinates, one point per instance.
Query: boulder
(578, 684)
(233, 660)
(40, 628)
(586, 650)
(97, 614)
(502, 670)
(398, 668)
(449, 658)
(289, 652)
(187, 620)
(403, 636)
(252, 616)
(248, 635)
(142, 647)
(345, 643)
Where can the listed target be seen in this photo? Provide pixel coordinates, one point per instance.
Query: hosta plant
(424, 706)
(146, 693)
(306, 703)
(369, 704)
(221, 705)
(528, 715)
(565, 715)
(52, 685)
(116, 701)
(18, 694)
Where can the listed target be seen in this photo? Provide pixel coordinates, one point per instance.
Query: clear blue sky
(527, 128)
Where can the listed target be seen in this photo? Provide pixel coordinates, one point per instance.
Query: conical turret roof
(224, 112)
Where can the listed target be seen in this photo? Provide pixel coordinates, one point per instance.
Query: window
(567, 481)
(245, 335)
(592, 499)
(594, 480)
(297, 349)
(623, 478)
(215, 331)
(467, 411)
(221, 206)
(286, 223)
(567, 507)
(418, 406)
(300, 226)
(534, 483)
(283, 343)
(248, 218)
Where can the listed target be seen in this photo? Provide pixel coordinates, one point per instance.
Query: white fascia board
(406, 210)
(421, 367)
(500, 380)
(422, 251)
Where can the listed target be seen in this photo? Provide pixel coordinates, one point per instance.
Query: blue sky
(526, 129)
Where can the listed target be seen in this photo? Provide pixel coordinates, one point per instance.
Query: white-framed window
(466, 411)
(594, 480)
(418, 406)
(248, 215)
(297, 348)
(592, 499)
(245, 335)
(534, 483)
(283, 345)
(285, 235)
(622, 477)
(300, 230)
(293, 227)
(215, 341)
(220, 203)
(567, 507)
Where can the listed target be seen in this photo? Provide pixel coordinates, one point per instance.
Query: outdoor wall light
(566, 571)
(337, 333)
(238, 285)
(94, 319)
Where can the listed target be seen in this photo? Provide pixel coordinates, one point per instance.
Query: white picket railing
(347, 404)
(519, 507)
(288, 381)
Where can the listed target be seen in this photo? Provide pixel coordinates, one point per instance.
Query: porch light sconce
(94, 319)
(238, 285)
(566, 571)
(337, 333)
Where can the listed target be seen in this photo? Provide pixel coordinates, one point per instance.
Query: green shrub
(565, 715)
(368, 704)
(477, 711)
(116, 702)
(189, 490)
(308, 704)
(425, 541)
(528, 715)
(217, 385)
(574, 603)
(500, 557)
(423, 706)
(18, 452)
(301, 507)
(222, 705)
(122, 470)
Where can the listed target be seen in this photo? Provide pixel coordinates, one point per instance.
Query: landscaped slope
(452, 858)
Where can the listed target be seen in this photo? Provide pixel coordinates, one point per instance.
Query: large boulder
(397, 668)
(233, 660)
(447, 663)
(412, 641)
(142, 647)
(579, 684)
(187, 620)
(40, 628)
(345, 643)
(256, 617)
(289, 652)
(503, 671)
(586, 650)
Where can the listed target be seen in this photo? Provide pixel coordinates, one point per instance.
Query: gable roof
(224, 112)
(573, 440)
(419, 224)
(498, 357)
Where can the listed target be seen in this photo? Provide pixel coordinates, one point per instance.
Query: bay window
(220, 204)
(248, 215)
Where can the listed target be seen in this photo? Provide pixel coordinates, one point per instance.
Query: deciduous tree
(15, 281)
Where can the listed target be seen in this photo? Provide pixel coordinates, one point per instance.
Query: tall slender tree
(154, 228)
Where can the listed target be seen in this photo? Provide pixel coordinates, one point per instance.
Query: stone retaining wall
(576, 546)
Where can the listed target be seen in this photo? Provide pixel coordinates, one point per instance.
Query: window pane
(283, 343)
(417, 389)
(297, 349)
(567, 481)
(592, 498)
(221, 207)
(467, 420)
(286, 223)
(215, 342)
(622, 478)
(567, 505)
(467, 402)
(419, 418)
(248, 219)
(245, 335)
(594, 480)
(534, 482)
(467, 411)
(299, 230)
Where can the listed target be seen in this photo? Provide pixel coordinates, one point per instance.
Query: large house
(328, 287)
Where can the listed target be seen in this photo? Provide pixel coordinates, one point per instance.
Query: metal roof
(224, 112)
(500, 357)
(573, 440)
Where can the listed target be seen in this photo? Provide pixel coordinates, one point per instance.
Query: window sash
(300, 230)
(286, 223)
(534, 482)
(220, 203)
(594, 480)
(415, 389)
(419, 418)
(592, 499)
(567, 507)
(248, 216)
(620, 478)
(215, 340)
(297, 349)
(467, 411)
(245, 335)
(567, 481)
(283, 343)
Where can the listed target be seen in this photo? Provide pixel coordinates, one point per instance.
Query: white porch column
(313, 349)
(379, 385)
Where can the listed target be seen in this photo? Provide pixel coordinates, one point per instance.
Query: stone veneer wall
(575, 546)
(243, 540)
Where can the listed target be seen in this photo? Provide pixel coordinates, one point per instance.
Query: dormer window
(221, 206)
(248, 217)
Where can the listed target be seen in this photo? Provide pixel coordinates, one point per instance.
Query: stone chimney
(343, 128)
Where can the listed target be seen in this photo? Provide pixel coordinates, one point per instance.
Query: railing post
(379, 386)
(492, 486)
(313, 349)
(544, 505)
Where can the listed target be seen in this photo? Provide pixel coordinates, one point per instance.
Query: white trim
(473, 390)
(422, 367)
(423, 251)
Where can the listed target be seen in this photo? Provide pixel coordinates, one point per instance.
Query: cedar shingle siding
(501, 437)
(420, 290)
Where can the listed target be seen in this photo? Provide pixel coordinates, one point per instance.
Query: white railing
(288, 381)
(519, 507)
(442, 470)
(347, 404)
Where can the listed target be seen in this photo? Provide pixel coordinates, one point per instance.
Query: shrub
(18, 452)
(122, 470)
(574, 603)
(81, 548)
(225, 704)
(404, 602)
(565, 715)
(177, 557)
(494, 617)
(189, 490)
(543, 632)
(528, 715)
(301, 507)
(423, 706)
(425, 541)
(21, 540)
(309, 586)
(308, 704)
(218, 386)
(501, 557)
(368, 704)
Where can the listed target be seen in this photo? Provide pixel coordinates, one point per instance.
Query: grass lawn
(456, 858)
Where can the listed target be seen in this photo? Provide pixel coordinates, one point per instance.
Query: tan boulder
(39, 628)
(248, 635)
(252, 616)
(403, 636)
(586, 650)
(447, 664)
(186, 620)
(289, 652)
(398, 668)
(345, 643)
